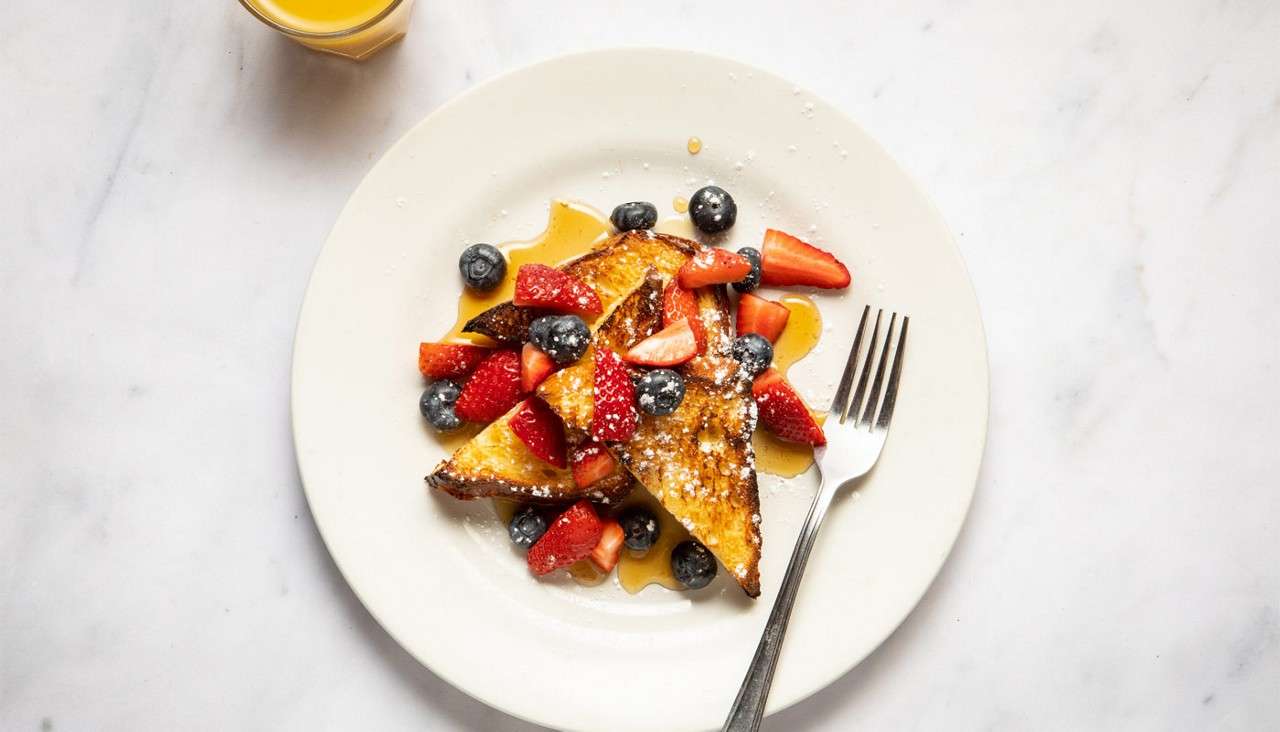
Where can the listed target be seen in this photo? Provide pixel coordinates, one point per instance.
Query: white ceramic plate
(604, 128)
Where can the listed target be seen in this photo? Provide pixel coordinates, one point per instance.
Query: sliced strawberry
(614, 417)
(449, 360)
(783, 412)
(592, 463)
(534, 367)
(492, 390)
(541, 430)
(758, 315)
(785, 260)
(606, 552)
(570, 537)
(540, 286)
(713, 267)
(672, 345)
(681, 304)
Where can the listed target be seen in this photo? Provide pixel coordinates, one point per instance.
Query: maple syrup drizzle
(638, 571)
(804, 328)
(572, 230)
(451, 441)
(506, 509)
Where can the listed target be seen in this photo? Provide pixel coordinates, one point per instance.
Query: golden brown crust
(467, 487)
(699, 464)
(496, 463)
(569, 390)
(613, 270)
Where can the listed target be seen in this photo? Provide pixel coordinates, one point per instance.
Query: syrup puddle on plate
(572, 230)
(451, 441)
(804, 328)
(635, 571)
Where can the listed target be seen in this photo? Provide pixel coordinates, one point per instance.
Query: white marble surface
(1112, 171)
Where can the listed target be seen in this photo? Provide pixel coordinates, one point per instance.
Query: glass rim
(313, 35)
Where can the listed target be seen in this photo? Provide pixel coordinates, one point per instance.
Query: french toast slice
(496, 463)
(614, 269)
(698, 462)
(569, 391)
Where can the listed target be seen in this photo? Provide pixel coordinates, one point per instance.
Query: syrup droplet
(585, 573)
(694, 146)
(680, 204)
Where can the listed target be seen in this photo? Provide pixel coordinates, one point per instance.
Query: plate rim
(579, 56)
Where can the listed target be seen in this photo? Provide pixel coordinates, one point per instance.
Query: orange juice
(352, 28)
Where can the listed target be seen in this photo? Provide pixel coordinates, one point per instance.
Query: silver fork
(856, 429)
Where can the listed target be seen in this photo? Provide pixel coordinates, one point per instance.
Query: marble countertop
(1112, 173)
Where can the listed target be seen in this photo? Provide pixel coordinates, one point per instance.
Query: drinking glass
(354, 29)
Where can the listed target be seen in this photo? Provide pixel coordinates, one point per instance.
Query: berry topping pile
(640, 382)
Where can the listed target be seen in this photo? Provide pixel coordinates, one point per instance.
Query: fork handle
(748, 708)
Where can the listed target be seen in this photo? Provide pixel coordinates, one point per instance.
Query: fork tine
(891, 389)
(855, 406)
(841, 401)
(873, 399)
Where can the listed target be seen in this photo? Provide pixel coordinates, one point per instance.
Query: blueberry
(482, 267)
(754, 352)
(751, 281)
(639, 529)
(526, 527)
(562, 337)
(693, 565)
(660, 392)
(635, 215)
(712, 209)
(437, 403)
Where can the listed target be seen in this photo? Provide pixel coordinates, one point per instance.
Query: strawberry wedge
(540, 286)
(570, 537)
(670, 346)
(541, 431)
(681, 304)
(614, 417)
(713, 267)
(783, 412)
(534, 367)
(758, 315)
(591, 464)
(606, 553)
(449, 360)
(785, 260)
(493, 389)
